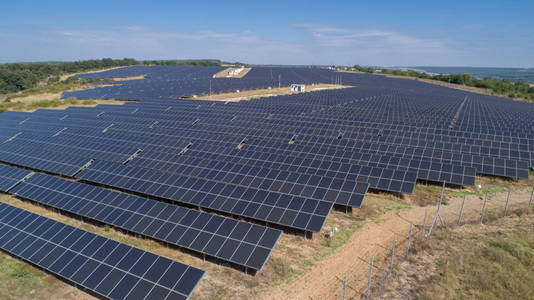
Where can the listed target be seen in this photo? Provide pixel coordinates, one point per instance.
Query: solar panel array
(103, 266)
(238, 242)
(281, 161)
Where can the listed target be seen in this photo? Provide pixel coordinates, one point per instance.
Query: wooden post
(409, 240)
(531, 196)
(483, 208)
(392, 255)
(461, 212)
(507, 200)
(368, 293)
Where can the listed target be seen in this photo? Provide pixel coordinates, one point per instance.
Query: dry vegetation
(263, 93)
(65, 76)
(49, 102)
(490, 261)
(300, 268)
(50, 96)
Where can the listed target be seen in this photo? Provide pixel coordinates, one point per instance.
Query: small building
(298, 87)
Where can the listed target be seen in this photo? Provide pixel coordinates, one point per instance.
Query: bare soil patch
(226, 73)
(264, 93)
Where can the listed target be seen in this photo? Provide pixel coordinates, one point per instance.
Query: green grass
(500, 266)
(491, 189)
(19, 280)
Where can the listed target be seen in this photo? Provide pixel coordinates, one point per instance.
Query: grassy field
(55, 103)
(490, 261)
(49, 95)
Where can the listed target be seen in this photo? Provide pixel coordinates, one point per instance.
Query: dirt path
(325, 279)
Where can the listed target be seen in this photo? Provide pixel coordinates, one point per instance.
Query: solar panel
(187, 228)
(103, 266)
(10, 177)
(46, 161)
(287, 210)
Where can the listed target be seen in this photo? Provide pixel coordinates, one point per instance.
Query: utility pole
(279, 78)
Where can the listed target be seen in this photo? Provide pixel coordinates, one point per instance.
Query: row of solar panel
(486, 170)
(103, 266)
(234, 241)
(287, 210)
(508, 173)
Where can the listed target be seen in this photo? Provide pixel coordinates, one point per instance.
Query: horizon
(267, 64)
(478, 34)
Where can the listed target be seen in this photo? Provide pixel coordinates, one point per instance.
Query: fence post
(531, 196)
(368, 293)
(409, 239)
(437, 213)
(345, 288)
(461, 212)
(483, 208)
(392, 255)
(507, 200)
(424, 224)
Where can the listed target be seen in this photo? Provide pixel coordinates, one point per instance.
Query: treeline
(512, 89)
(16, 77)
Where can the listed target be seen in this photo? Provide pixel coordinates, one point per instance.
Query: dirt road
(325, 279)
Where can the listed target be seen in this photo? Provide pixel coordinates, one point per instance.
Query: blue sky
(384, 33)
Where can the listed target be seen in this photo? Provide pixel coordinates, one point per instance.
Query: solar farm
(224, 182)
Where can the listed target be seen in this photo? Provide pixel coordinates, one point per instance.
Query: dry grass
(263, 93)
(129, 78)
(293, 257)
(47, 102)
(491, 261)
(66, 76)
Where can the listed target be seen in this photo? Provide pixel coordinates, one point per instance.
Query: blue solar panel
(106, 267)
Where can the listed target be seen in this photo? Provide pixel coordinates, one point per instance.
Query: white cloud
(313, 44)
(371, 39)
(139, 42)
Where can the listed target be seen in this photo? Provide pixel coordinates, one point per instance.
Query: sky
(372, 33)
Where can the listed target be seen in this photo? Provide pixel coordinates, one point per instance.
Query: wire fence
(380, 273)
